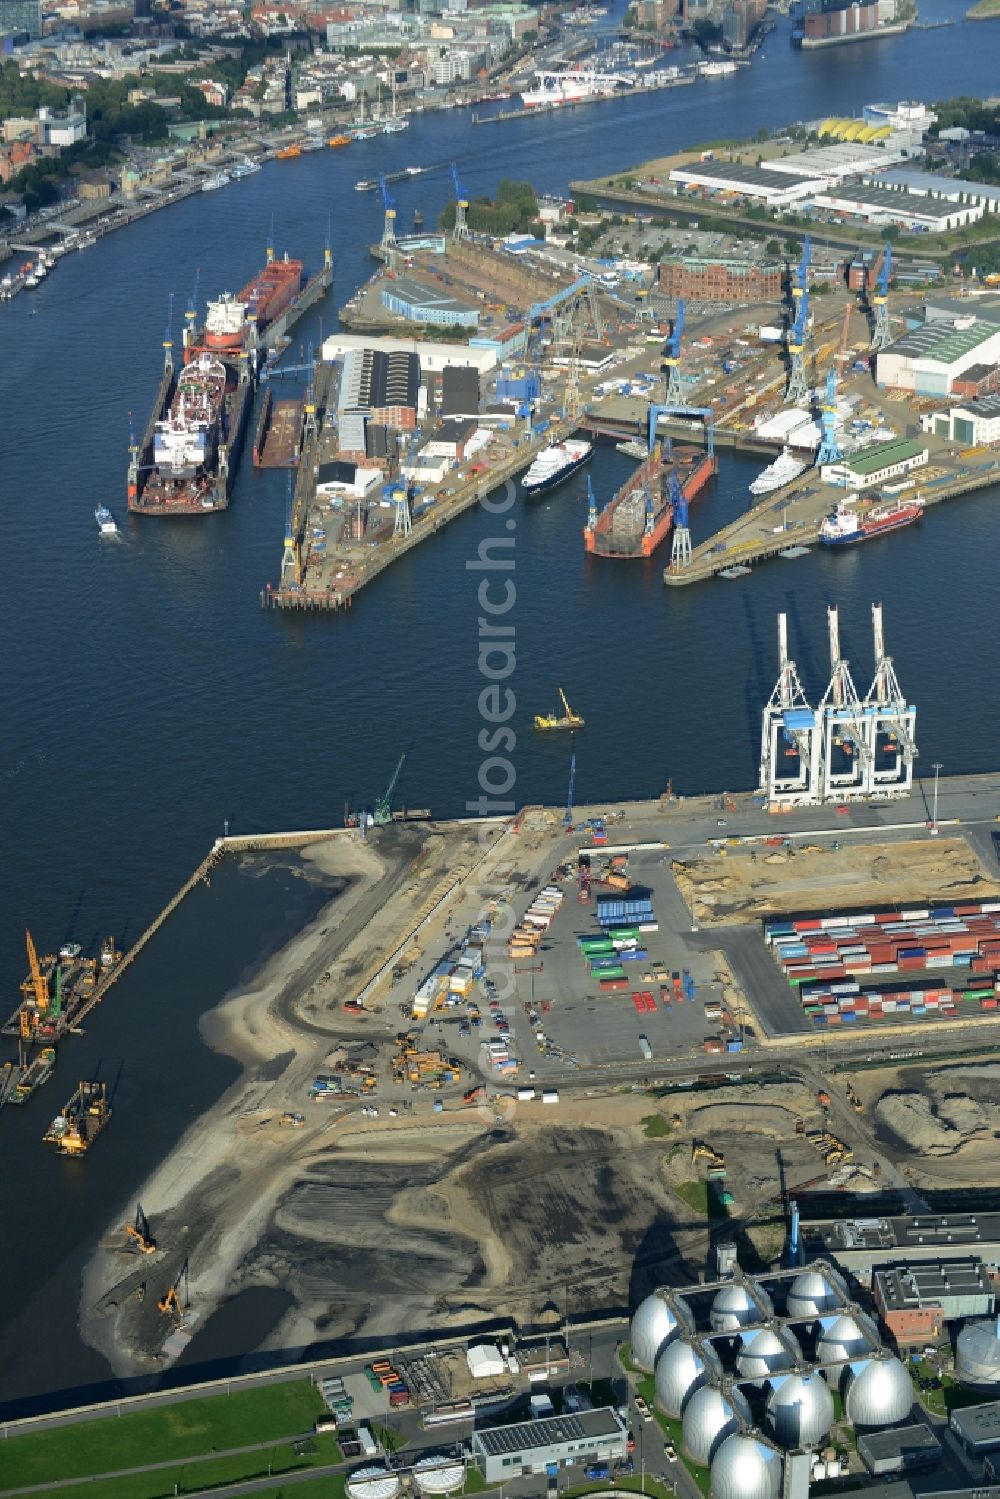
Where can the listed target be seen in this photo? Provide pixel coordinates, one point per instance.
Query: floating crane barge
(75, 1129)
(58, 991)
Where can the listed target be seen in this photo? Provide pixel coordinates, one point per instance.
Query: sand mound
(915, 1123)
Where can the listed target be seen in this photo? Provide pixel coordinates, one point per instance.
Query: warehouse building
(978, 1427)
(945, 189)
(379, 387)
(419, 303)
(834, 164)
(885, 205)
(975, 424)
(505, 1452)
(861, 1244)
(460, 392)
(721, 279)
(776, 189)
(916, 1300)
(876, 465)
(906, 1449)
(433, 356)
(929, 359)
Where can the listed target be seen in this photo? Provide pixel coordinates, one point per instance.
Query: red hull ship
(639, 517)
(234, 324)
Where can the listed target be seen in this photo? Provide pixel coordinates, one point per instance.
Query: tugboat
(106, 522)
(569, 719)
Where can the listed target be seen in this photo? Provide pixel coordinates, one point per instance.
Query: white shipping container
(525, 1095)
(550, 1096)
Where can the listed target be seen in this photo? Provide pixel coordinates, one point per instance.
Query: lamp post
(934, 820)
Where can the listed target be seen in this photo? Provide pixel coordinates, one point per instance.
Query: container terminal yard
(409, 430)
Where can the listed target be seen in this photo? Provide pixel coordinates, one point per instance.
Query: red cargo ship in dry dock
(640, 515)
(188, 458)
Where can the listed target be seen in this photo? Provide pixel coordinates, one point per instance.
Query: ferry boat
(716, 69)
(245, 168)
(782, 471)
(106, 523)
(848, 525)
(554, 464)
(212, 184)
(288, 153)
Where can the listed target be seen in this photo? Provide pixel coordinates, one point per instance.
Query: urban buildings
(21, 19)
(505, 1452)
(721, 279)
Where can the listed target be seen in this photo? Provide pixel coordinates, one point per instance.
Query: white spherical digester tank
(746, 1468)
(848, 1336)
(683, 1367)
(977, 1354)
(710, 1416)
(879, 1392)
(738, 1304)
(765, 1351)
(800, 1410)
(655, 1323)
(815, 1292)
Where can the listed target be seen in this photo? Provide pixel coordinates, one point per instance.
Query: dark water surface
(148, 697)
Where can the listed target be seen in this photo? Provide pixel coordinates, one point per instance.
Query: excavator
(139, 1231)
(569, 719)
(714, 1160)
(170, 1304)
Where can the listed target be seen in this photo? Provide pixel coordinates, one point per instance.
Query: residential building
(21, 18)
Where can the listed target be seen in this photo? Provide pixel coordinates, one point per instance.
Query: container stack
(627, 923)
(526, 939)
(827, 958)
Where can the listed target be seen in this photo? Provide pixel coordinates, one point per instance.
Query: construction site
(495, 1027)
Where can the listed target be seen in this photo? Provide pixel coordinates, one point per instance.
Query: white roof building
(776, 189)
(485, 1361)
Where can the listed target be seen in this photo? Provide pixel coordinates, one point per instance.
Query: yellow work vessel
(568, 720)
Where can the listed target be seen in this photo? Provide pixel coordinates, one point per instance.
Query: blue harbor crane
(568, 814)
(168, 335)
(191, 315)
(389, 241)
(291, 557)
(670, 409)
(461, 229)
(881, 335)
(670, 363)
(800, 286)
(680, 546)
(829, 449)
(798, 388)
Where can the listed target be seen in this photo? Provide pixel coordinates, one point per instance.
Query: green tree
(772, 248)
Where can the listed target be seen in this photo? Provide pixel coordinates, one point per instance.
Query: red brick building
(721, 279)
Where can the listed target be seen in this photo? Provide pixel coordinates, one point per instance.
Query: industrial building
(419, 303)
(834, 164)
(944, 189)
(977, 1427)
(433, 356)
(876, 464)
(915, 1301)
(861, 1244)
(721, 278)
(929, 359)
(828, 20)
(976, 423)
(906, 1449)
(377, 390)
(784, 1341)
(776, 189)
(460, 392)
(505, 1452)
(885, 205)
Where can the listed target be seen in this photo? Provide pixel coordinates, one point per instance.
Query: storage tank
(711, 1416)
(814, 1292)
(683, 1367)
(799, 1410)
(879, 1392)
(849, 1336)
(977, 1354)
(738, 1304)
(655, 1323)
(438, 1475)
(374, 1482)
(766, 1351)
(746, 1468)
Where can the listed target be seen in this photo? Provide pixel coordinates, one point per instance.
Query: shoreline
(249, 1026)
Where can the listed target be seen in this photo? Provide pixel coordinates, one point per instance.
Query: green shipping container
(607, 973)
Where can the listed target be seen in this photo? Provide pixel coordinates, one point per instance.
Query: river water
(149, 698)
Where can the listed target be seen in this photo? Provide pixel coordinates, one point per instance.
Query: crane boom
(39, 983)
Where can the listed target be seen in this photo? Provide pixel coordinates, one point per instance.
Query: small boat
(107, 525)
(289, 153)
(245, 168)
(365, 185)
(782, 471)
(212, 184)
(633, 448)
(569, 719)
(339, 140)
(790, 553)
(740, 571)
